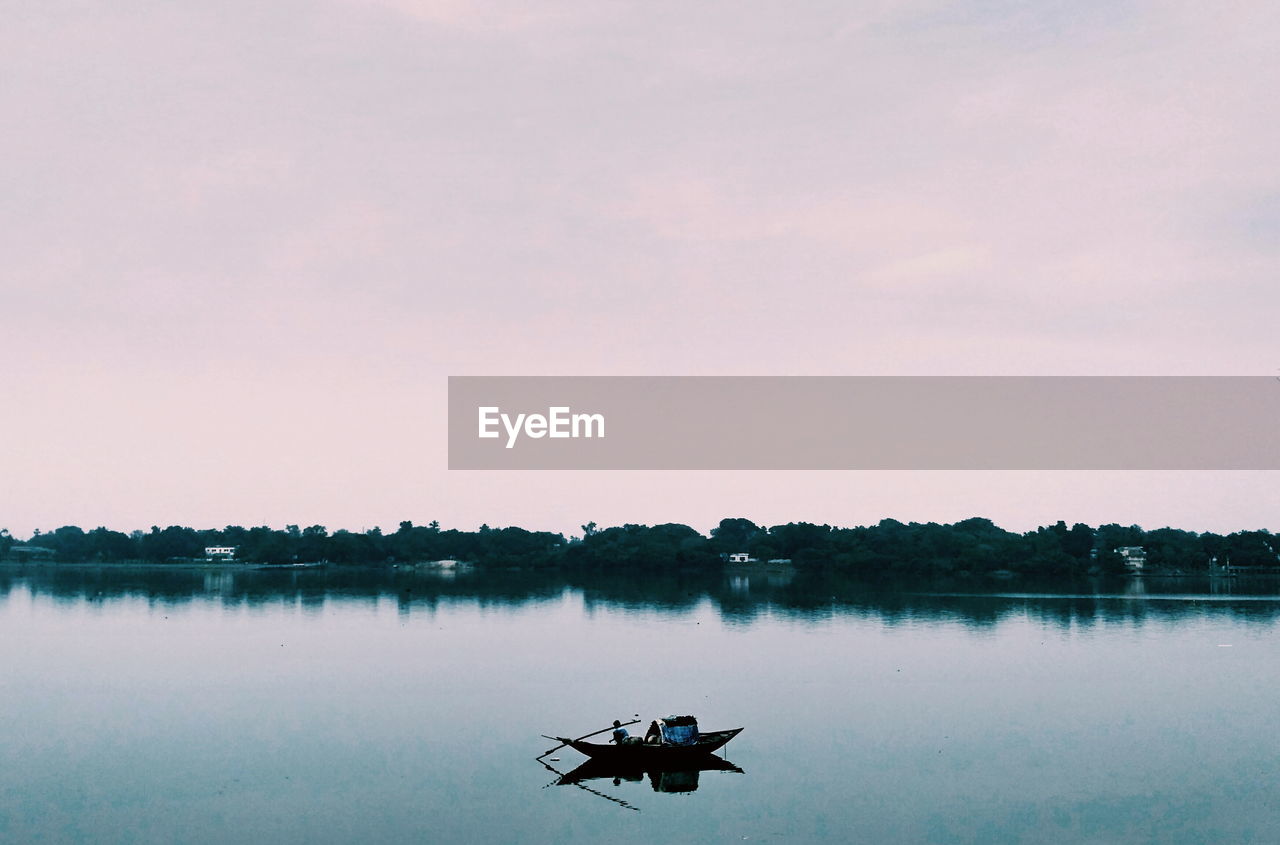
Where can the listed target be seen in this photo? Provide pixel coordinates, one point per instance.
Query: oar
(564, 742)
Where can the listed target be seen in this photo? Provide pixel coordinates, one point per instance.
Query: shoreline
(144, 564)
(728, 570)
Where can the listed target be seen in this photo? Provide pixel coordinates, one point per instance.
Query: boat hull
(706, 744)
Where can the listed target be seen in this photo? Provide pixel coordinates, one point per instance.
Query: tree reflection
(739, 598)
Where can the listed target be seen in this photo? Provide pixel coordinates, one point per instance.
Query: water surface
(153, 705)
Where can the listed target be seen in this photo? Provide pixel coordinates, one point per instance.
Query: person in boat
(654, 735)
(620, 734)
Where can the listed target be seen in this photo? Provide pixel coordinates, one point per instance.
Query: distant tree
(518, 547)
(263, 545)
(1214, 547)
(1252, 548)
(111, 546)
(890, 547)
(1170, 548)
(638, 548)
(349, 548)
(804, 542)
(1078, 542)
(735, 535)
(175, 541)
(314, 544)
(69, 543)
(1112, 536)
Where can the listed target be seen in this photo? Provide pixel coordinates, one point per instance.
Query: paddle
(564, 742)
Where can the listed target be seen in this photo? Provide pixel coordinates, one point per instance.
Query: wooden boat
(708, 741)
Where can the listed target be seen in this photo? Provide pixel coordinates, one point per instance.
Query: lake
(233, 705)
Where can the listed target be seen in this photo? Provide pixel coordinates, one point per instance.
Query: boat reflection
(681, 776)
(673, 777)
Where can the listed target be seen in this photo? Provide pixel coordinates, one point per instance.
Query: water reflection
(739, 598)
(977, 701)
(672, 777)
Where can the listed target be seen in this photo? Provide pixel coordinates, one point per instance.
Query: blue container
(680, 730)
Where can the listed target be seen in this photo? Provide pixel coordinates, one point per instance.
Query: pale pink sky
(245, 243)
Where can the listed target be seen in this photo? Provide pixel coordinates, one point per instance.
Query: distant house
(1134, 557)
(741, 557)
(220, 552)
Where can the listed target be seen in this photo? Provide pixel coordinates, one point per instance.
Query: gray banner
(856, 422)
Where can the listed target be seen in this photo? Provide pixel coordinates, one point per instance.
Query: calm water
(189, 706)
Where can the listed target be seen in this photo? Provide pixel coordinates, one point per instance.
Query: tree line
(889, 547)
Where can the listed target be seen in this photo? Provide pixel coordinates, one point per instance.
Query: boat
(681, 740)
(706, 744)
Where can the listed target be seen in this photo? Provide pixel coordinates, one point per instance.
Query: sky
(245, 244)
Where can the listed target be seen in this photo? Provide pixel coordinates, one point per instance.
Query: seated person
(654, 735)
(620, 735)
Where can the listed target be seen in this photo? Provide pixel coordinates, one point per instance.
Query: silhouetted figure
(654, 734)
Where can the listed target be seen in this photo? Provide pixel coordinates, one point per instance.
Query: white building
(220, 552)
(741, 557)
(1134, 557)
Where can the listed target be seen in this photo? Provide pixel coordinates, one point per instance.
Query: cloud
(354, 192)
(496, 17)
